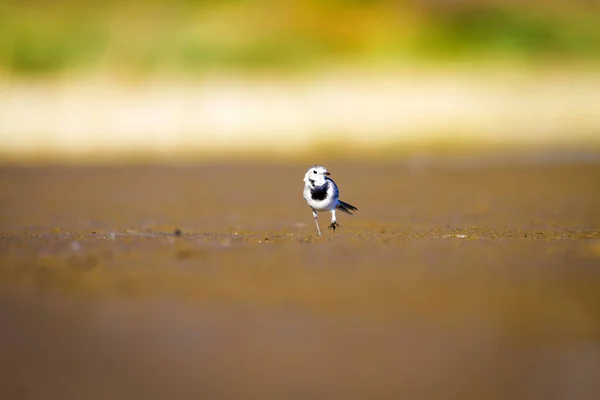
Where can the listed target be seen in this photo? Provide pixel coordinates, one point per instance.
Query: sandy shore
(453, 280)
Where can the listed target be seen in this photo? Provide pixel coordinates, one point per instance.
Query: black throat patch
(319, 193)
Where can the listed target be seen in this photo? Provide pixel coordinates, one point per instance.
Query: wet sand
(455, 279)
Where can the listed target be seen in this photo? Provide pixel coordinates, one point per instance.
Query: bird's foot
(333, 225)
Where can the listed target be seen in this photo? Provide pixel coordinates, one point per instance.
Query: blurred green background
(185, 36)
(161, 78)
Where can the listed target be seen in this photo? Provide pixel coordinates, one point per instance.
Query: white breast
(327, 204)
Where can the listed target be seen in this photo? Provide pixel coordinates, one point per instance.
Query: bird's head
(317, 174)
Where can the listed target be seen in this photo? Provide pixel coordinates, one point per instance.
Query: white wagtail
(322, 194)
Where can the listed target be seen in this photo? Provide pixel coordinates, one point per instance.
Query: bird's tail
(345, 207)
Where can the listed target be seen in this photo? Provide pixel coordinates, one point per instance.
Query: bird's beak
(326, 173)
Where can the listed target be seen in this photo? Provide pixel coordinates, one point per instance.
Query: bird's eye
(314, 172)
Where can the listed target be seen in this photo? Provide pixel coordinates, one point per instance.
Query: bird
(322, 194)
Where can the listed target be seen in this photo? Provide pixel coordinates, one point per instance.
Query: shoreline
(103, 118)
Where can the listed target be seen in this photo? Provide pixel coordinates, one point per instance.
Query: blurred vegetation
(187, 36)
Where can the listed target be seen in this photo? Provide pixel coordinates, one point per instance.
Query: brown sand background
(457, 278)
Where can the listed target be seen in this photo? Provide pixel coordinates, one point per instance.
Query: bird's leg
(333, 224)
(316, 222)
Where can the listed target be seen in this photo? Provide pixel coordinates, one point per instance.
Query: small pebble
(75, 246)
